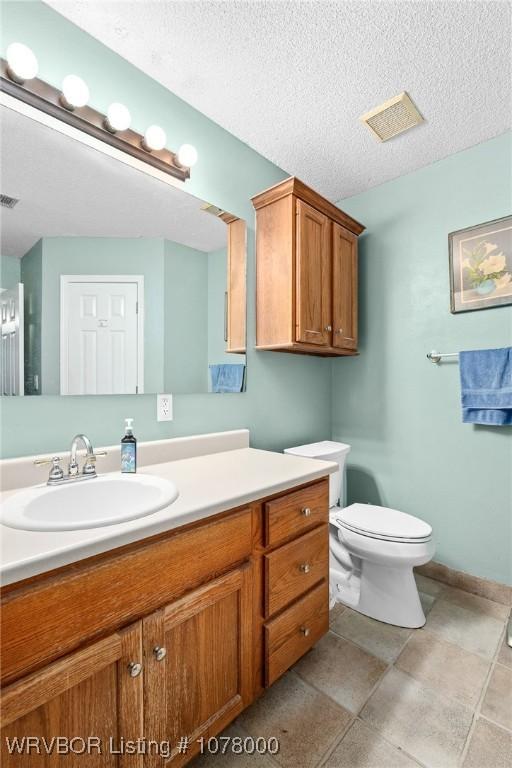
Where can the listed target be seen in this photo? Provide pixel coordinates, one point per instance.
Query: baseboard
(492, 590)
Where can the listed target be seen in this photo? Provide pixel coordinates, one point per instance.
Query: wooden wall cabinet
(155, 643)
(306, 272)
(236, 295)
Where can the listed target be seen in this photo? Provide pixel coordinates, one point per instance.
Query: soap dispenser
(128, 448)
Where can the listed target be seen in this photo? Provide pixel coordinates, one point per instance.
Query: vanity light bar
(50, 100)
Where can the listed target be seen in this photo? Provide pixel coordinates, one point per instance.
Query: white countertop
(207, 485)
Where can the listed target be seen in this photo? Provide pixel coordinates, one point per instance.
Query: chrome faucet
(90, 458)
(57, 476)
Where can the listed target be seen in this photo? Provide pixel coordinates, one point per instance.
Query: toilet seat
(381, 523)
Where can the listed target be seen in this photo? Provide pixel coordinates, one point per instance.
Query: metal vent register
(393, 117)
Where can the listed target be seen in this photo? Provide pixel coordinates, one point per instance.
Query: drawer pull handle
(305, 631)
(304, 567)
(306, 512)
(159, 653)
(134, 668)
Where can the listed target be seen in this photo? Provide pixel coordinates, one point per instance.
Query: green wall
(9, 272)
(186, 309)
(401, 413)
(288, 397)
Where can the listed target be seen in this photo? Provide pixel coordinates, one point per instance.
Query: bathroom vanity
(173, 634)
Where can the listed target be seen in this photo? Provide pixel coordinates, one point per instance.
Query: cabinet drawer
(293, 568)
(290, 635)
(296, 512)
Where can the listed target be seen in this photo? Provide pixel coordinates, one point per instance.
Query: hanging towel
(227, 377)
(486, 386)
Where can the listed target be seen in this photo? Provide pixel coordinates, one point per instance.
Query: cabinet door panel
(344, 288)
(87, 695)
(237, 310)
(204, 680)
(313, 299)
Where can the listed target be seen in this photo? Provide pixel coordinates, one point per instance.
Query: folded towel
(486, 386)
(227, 377)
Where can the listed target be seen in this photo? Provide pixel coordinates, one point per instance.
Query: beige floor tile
(497, 704)
(446, 668)
(428, 586)
(230, 759)
(383, 640)
(475, 603)
(427, 601)
(305, 721)
(505, 655)
(341, 670)
(475, 632)
(336, 611)
(414, 717)
(490, 747)
(363, 748)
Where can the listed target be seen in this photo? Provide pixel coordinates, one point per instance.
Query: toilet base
(387, 594)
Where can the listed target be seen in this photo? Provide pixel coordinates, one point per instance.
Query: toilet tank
(328, 451)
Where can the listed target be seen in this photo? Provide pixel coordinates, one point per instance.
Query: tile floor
(374, 696)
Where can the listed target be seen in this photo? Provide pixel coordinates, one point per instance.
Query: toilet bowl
(373, 550)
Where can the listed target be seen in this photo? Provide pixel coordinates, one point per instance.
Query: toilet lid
(383, 523)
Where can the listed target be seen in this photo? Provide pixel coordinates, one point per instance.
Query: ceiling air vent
(8, 202)
(393, 117)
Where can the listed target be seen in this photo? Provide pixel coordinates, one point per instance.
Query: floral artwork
(481, 266)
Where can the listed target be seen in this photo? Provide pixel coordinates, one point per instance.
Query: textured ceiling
(291, 78)
(92, 195)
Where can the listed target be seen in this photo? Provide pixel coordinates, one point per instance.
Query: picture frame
(480, 263)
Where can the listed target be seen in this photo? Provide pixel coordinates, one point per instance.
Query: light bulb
(187, 155)
(154, 138)
(21, 63)
(118, 118)
(75, 92)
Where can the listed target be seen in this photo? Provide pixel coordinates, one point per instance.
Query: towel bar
(436, 357)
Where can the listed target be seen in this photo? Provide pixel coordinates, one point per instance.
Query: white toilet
(372, 550)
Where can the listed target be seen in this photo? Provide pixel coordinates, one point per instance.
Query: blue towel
(486, 386)
(227, 377)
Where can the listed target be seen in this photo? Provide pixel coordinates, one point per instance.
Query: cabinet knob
(159, 653)
(305, 631)
(306, 512)
(339, 330)
(328, 327)
(134, 668)
(304, 568)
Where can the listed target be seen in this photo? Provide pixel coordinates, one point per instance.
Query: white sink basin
(92, 503)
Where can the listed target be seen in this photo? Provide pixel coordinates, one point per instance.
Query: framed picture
(481, 266)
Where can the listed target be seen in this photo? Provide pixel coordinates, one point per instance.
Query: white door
(101, 335)
(11, 353)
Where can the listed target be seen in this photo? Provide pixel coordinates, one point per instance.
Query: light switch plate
(164, 407)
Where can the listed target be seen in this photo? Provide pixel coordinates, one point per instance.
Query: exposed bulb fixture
(187, 155)
(154, 138)
(118, 118)
(75, 92)
(21, 63)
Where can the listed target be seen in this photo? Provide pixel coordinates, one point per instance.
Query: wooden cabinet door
(198, 662)
(236, 287)
(89, 694)
(344, 288)
(313, 276)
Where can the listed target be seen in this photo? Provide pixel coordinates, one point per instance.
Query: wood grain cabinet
(306, 268)
(236, 309)
(165, 639)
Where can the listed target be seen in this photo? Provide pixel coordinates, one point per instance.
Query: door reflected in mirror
(112, 281)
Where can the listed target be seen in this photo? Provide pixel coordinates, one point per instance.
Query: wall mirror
(112, 281)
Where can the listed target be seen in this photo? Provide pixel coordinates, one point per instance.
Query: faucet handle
(89, 467)
(56, 472)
